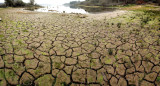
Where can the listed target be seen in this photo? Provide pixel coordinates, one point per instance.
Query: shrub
(119, 25)
(110, 51)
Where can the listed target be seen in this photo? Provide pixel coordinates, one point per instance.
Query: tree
(19, 3)
(158, 2)
(14, 3)
(116, 2)
(9, 2)
(32, 2)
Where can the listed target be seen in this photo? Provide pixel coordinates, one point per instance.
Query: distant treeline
(116, 2)
(17, 3)
(72, 3)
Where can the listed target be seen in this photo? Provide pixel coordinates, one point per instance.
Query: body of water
(61, 8)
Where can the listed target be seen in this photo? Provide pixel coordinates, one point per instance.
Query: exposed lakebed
(52, 49)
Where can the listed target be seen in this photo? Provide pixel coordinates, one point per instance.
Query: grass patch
(90, 6)
(32, 8)
(158, 79)
(57, 65)
(93, 62)
(134, 7)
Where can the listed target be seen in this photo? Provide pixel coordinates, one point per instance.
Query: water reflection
(95, 10)
(61, 9)
(73, 9)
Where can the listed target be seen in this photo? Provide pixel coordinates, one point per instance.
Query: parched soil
(51, 49)
(107, 15)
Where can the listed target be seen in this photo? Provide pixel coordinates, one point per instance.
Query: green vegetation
(138, 7)
(107, 60)
(27, 83)
(93, 62)
(46, 80)
(57, 64)
(115, 2)
(2, 73)
(19, 3)
(100, 79)
(10, 74)
(32, 8)
(37, 71)
(64, 84)
(110, 51)
(158, 79)
(121, 45)
(12, 3)
(16, 66)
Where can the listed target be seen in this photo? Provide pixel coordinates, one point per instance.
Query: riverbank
(107, 15)
(61, 49)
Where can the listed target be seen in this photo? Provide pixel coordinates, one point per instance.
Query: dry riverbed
(51, 49)
(107, 15)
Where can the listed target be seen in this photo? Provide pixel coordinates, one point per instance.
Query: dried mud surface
(50, 49)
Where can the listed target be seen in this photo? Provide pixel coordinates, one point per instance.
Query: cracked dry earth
(50, 49)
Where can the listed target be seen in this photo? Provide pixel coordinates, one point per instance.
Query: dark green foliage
(119, 25)
(11, 74)
(112, 23)
(149, 16)
(158, 79)
(154, 1)
(2, 73)
(64, 84)
(105, 2)
(152, 13)
(13, 3)
(145, 20)
(114, 2)
(131, 85)
(9, 2)
(110, 51)
(19, 3)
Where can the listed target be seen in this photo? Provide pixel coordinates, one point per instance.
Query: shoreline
(97, 16)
